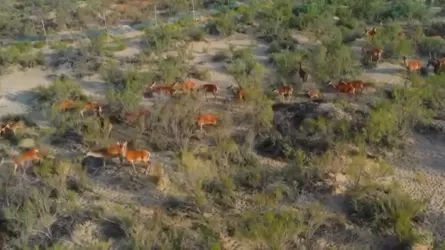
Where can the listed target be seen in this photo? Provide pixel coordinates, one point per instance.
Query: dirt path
(421, 172)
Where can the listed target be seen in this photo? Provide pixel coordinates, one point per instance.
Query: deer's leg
(81, 112)
(134, 168)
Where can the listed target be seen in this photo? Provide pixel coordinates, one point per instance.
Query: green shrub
(388, 38)
(58, 90)
(385, 208)
(432, 45)
(273, 228)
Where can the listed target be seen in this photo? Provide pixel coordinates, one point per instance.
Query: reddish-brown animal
(132, 117)
(373, 53)
(110, 152)
(209, 88)
(135, 156)
(284, 91)
(412, 65)
(239, 93)
(165, 90)
(22, 159)
(206, 119)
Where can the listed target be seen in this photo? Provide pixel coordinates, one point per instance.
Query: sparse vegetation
(230, 165)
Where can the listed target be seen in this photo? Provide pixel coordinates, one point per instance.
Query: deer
(343, 87)
(303, 74)
(239, 93)
(11, 126)
(188, 85)
(373, 53)
(22, 159)
(135, 156)
(206, 119)
(166, 90)
(412, 65)
(132, 117)
(94, 106)
(284, 91)
(110, 152)
(69, 104)
(64, 105)
(370, 32)
(313, 94)
(437, 63)
(209, 88)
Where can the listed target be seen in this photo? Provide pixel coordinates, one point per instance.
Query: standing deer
(11, 126)
(284, 91)
(371, 32)
(412, 65)
(209, 88)
(135, 156)
(239, 93)
(165, 90)
(303, 74)
(188, 85)
(23, 159)
(206, 119)
(373, 53)
(110, 152)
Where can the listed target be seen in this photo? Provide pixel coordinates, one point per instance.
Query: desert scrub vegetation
(257, 177)
(388, 210)
(21, 54)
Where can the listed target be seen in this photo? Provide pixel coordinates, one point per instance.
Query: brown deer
(371, 32)
(314, 94)
(412, 65)
(164, 89)
(303, 74)
(186, 86)
(206, 119)
(110, 152)
(135, 156)
(437, 63)
(209, 88)
(239, 93)
(24, 158)
(11, 126)
(284, 91)
(373, 53)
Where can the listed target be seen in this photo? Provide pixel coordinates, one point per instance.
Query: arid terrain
(328, 165)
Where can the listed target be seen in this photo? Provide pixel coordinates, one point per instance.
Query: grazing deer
(135, 156)
(22, 159)
(209, 88)
(165, 90)
(343, 87)
(370, 32)
(239, 93)
(313, 94)
(357, 85)
(64, 105)
(206, 119)
(110, 152)
(187, 85)
(284, 91)
(303, 74)
(93, 106)
(11, 126)
(412, 65)
(373, 53)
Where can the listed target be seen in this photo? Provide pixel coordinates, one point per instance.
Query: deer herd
(120, 149)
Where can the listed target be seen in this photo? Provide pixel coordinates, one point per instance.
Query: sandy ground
(427, 155)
